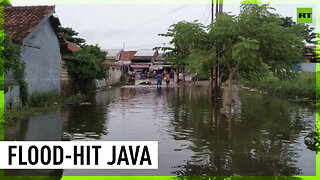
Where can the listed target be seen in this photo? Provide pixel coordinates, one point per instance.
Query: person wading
(167, 79)
(159, 79)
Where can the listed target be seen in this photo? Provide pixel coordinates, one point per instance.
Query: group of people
(182, 77)
(163, 76)
(160, 76)
(144, 75)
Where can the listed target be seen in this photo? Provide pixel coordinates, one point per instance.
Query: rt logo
(304, 15)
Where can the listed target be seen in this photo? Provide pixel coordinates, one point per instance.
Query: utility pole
(216, 89)
(212, 69)
(212, 9)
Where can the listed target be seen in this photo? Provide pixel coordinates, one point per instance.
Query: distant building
(113, 54)
(64, 77)
(126, 57)
(308, 63)
(35, 29)
(159, 63)
(143, 59)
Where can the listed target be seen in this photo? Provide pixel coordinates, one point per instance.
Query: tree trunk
(211, 85)
(229, 97)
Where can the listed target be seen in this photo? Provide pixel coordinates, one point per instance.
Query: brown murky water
(264, 137)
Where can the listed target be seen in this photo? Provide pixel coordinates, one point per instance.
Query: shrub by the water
(39, 102)
(43, 99)
(303, 86)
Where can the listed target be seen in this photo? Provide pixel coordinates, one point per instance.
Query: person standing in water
(159, 79)
(167, 79)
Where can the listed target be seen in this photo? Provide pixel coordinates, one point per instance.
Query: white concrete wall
(13, 95)
(308, 67)
(114, 75)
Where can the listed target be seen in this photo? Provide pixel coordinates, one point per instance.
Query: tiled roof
(127, 55)
(20, 21)
(109, 63)
(72, 47)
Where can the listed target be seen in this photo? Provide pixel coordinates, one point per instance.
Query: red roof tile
(311, 47)
(72, 47)
(127, 55)
(109, 63)
(20, 21)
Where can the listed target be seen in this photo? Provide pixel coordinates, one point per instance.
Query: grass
(38, 102)
(1, 116)
(318, 133)
(304, 86)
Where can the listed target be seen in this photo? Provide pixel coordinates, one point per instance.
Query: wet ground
(264, 137)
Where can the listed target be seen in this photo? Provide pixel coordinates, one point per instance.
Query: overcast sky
(138, 25)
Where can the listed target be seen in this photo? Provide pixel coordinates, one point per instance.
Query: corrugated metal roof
(145, 52)
(113, 52)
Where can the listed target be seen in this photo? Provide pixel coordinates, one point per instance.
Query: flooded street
(265, 137)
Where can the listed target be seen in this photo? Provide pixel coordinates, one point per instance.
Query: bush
(86, 66)
(38, 102)
(303, 86)
(43, 99)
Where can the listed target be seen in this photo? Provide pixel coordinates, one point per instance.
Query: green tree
(3, 2)
(11, 62)
(185, 37)
(70, 35)
(251, 2)
(307, 32)
(85, 66)
(280, 47)
(249, 45)
(237, 51)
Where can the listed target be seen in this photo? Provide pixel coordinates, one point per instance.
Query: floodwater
(265, 135)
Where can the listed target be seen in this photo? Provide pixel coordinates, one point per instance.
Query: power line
(208, 16)
(151, 21)
(205, 12)
(145, 45)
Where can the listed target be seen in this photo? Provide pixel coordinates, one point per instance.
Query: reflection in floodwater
(43, 127)
(263, 135)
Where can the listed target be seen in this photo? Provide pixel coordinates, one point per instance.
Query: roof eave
(42, 21)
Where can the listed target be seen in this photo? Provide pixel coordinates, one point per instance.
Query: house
(126, 56)
(125, 59)
(35, 29)
(308, 63)
(159, 63)
(143, 59)
(64, 77)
